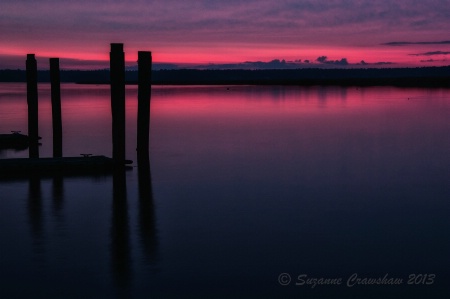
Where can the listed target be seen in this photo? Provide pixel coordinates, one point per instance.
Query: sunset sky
(326, 33)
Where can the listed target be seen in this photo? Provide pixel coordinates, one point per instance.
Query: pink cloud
(217, 31)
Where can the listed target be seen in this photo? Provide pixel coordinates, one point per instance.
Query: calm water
(246, 183)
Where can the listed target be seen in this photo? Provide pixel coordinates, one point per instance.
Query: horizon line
(315, 66)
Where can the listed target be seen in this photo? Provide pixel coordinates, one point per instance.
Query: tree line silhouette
(424, 76)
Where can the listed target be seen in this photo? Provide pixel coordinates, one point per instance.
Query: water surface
(246, 183)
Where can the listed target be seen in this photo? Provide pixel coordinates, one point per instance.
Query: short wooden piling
(144, 94)
(32, 101)
(117, 78)
(56, 107)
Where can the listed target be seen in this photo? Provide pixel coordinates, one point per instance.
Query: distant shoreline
(400, 82)
(404, 77)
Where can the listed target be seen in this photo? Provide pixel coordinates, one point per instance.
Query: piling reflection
(35, 213)
(58, 198)
(120, 235)
(147, 221)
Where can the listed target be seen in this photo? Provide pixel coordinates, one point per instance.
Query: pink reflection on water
(306, 132)
(194, 124)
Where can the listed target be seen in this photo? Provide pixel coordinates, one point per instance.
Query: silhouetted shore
(408, 77)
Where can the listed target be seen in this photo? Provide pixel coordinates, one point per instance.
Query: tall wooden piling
(117, 78)
(32, 101)
(56, 107)
(144, 94)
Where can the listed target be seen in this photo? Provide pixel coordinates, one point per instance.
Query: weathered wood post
(144, 94)
(32, 101)
(56, 107)
(146, 209)
(117, 78)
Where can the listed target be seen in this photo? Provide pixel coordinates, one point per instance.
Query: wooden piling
(32, 101)
(56, 107)
(144, 95)
(117, 78)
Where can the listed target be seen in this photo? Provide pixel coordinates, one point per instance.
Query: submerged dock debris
(14, 141)
(24, 167)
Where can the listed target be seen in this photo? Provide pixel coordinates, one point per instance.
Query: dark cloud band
(431, 53)
(445, 42)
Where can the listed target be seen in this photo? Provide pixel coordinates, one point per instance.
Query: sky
(228, 34)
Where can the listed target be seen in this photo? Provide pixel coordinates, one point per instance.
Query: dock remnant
(58, 165)
(117, 78)
(23, 167)
(56, 107)
(32, 101)
(144, 96)
(15, 141)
